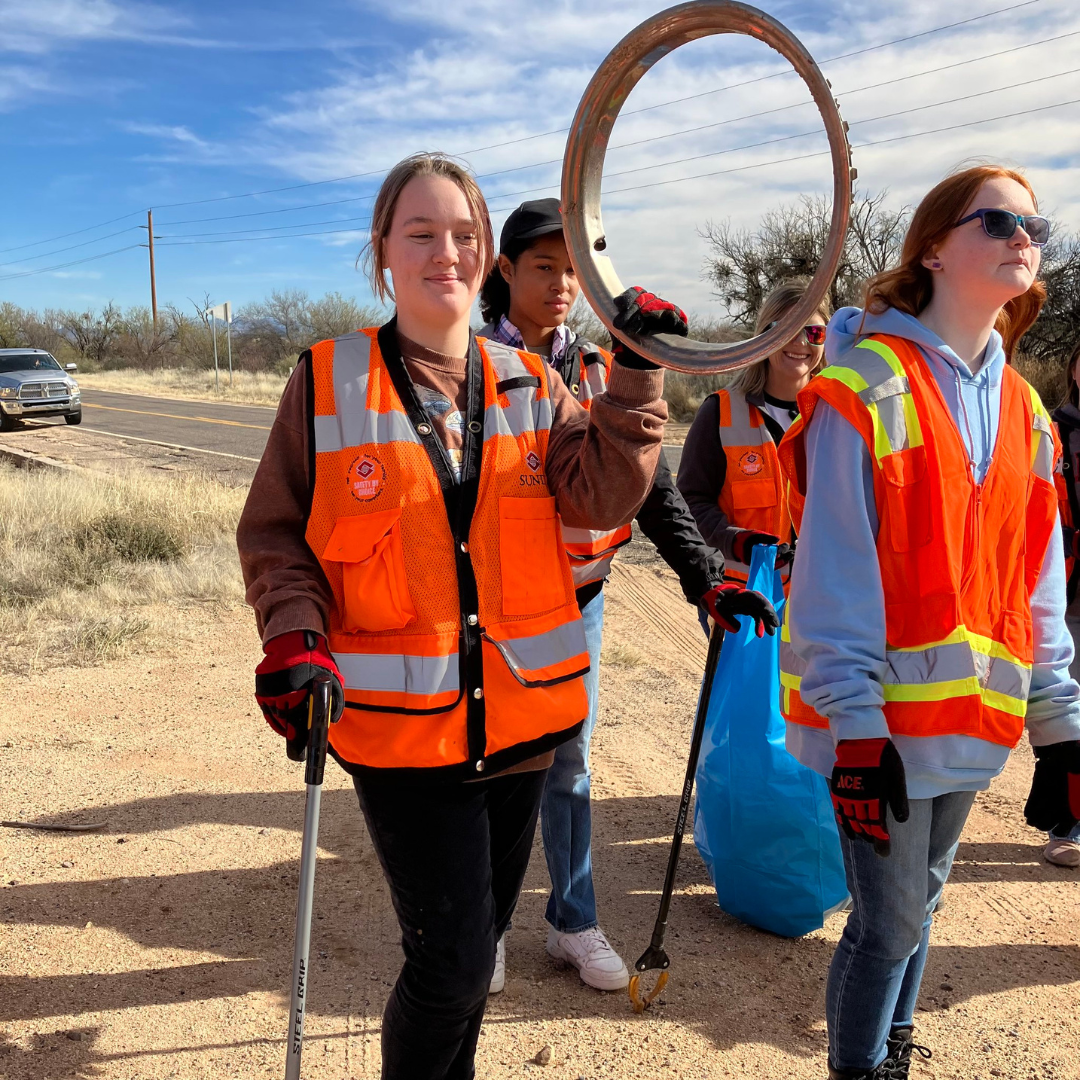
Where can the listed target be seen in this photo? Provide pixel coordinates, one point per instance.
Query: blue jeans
(565, 815)
(878, 964)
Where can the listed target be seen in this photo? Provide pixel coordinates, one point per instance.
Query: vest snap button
(478, 693)
(465, 548)
(424, 429)
(473, 620)
(479, 766)
(475, 426)
(575, 388)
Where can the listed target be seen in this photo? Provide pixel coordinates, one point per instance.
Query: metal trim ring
(583, 169)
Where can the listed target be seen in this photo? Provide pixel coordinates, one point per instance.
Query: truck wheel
(7, 422)
(73, 417)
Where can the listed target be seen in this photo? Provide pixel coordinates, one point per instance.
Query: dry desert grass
(247, 387)
(91, 563)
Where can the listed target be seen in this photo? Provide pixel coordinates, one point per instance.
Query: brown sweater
(599, 466)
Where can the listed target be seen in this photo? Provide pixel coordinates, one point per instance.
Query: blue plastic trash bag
(763, 823)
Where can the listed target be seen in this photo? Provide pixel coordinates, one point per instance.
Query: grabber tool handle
(319, 704)
(655, 957)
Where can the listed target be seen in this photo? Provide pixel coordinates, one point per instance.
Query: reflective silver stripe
(535, 655)
(572, 535)
(1043, 461)
(327, 434)
(594, 569)
(890, 388)
(885, 389)
(790, 661)
(524, 411)
(397, 673)
(593, 376)
(740, 432)
(953, 661)
(354, 424)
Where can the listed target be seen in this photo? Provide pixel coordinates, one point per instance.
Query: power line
(64, 236)
(513, 142)
(720, 172)
(657, 138)
(270, 228)
(73, 262)
(676, 161)
(72, 247)
(649, 108)
(246, 239)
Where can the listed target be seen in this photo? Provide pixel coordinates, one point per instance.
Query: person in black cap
(526, 300)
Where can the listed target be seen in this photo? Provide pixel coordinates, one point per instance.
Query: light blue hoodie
(837, 606)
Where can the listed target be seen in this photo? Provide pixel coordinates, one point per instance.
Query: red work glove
(868, 777)
(644, 313)
(1054, 802)
(724, 602)
(283, 683)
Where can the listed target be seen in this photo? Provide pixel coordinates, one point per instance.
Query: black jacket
(664, 517)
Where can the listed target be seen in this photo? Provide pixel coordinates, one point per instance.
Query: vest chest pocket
(907, 498)
(753, 494)
(530, 563)
(376, 590)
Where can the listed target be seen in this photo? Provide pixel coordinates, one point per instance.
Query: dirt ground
(161, 946)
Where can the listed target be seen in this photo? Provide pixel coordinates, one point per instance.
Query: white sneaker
(598, 964)
(498, 976)
(1062, 852)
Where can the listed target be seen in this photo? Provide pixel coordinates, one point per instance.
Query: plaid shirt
(508, 334)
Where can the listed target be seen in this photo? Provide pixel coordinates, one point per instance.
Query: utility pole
(153, 283)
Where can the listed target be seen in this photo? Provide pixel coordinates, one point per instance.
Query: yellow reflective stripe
(789, 681)
(985, 645)
(956, 688)
(911, 417)
(856, 383)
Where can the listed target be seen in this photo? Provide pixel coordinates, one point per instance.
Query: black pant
(454, 856)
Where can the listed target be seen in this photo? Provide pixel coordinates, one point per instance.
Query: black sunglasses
(1001, 224)
(815, 335)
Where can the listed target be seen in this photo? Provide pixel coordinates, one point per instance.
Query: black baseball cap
(531, 219)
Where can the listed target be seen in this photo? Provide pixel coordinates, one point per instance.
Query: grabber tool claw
(655, 958)
(319, 706)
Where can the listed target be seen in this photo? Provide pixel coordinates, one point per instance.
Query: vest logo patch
(366, 477)
(752, 462)
(532, 459)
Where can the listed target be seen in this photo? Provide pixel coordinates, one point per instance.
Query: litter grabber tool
(319, 705)
(655, 957)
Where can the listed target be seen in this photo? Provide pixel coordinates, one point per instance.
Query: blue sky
(108, 107)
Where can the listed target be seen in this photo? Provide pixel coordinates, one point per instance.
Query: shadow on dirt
(730, 983)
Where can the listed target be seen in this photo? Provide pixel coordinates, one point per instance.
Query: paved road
(240, 430)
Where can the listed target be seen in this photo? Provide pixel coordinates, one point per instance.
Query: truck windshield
(13, 362)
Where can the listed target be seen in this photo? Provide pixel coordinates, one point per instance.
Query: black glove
(1054, 802)
(283, 682)
(785, 554)
(645, 314)
(1071, 540)
(746, 540)
(868, 777)
(724, 602)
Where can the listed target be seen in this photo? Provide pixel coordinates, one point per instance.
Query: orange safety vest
(454, 623)
(753, 493)
(591, 551)
(959, 560)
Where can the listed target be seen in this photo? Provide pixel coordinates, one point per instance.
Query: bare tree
(336, 315)
(140, 339)
(1057, 329)
(93, 334)
(743, 265)
(284, 316)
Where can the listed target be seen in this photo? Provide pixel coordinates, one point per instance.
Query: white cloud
(41, 26)
(489, 72)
